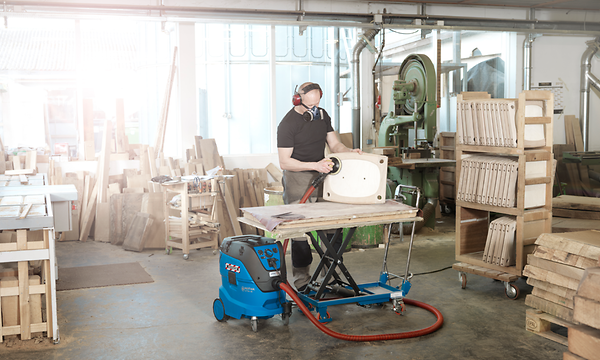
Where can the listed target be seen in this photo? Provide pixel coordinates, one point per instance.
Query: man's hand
(359, 151)
(324, 166)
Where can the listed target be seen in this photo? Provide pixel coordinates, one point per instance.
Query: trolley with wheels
(510, 290)
(191, 223)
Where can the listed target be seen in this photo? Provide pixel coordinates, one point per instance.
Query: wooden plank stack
(575, 213)
(555, 270)
(584, 339)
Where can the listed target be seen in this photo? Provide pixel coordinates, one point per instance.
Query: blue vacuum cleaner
(251, 267)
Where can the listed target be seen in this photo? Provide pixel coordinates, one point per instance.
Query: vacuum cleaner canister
(251, 268)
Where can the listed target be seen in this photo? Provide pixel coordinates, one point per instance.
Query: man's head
(310, 95)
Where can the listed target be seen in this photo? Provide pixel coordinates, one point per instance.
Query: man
(301, 139)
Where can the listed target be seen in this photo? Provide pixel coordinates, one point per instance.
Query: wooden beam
(104, 163)
(88, 130)
(162, 123)
(120, 137)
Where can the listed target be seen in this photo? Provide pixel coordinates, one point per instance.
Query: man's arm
(336, 146)
(286, 162)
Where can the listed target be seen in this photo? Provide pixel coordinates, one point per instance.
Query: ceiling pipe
(364, 38)
(587, 79)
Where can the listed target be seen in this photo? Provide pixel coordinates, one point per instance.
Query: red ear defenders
(297, 99)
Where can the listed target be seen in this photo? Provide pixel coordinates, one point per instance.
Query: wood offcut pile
(555, 270)
(132, 213)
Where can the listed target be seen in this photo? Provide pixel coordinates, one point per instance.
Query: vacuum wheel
(219, 310)
(285, 318)
(254, 323)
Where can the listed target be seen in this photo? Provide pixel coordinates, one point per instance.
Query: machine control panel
(268, 255)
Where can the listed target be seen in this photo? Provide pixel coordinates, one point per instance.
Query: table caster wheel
(462, 277)
(186, 256)
(511, 291)
(254, 323)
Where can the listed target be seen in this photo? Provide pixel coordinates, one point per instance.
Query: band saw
(410, 127)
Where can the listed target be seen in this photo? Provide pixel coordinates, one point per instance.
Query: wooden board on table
(328, 211)
(138, 232)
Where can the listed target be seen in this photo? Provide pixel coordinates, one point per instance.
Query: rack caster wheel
(511, 291)
(168, 251)
(186, 256)
(219, 310)
(254, 323)
(215, 252)
(462, 277)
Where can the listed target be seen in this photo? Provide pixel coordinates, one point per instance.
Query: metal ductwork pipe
(527, 63)
(527, 45)
(358, 48)
(587, 79)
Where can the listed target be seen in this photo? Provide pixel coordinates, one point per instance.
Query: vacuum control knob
(268, 253)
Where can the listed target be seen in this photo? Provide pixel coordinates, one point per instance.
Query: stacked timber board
(556, 267)
(575, 213)
(584, 339)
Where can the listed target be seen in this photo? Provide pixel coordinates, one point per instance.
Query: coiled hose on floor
(378, 337)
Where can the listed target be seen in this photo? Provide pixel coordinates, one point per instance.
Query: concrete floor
(172, 318)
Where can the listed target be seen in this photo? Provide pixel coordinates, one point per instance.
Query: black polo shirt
(308, 138)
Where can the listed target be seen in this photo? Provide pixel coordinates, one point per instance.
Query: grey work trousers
(295, 185)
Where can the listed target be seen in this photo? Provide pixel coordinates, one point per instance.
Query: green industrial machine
(413, 109)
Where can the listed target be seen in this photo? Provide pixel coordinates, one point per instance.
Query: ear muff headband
(297, 98)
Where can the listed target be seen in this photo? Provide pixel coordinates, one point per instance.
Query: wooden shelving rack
(182, 234)
(447, 173)
(472, 219)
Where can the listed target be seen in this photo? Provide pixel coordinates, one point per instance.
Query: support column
(188, 106)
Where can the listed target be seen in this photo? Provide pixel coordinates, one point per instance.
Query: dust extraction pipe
(587, 78)
(368, 35)
(527, 45)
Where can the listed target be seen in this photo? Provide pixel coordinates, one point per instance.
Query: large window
(235, 68)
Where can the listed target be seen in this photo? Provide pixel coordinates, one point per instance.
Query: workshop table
(295, 220)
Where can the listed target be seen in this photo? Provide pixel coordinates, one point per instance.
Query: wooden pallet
(538, 322)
